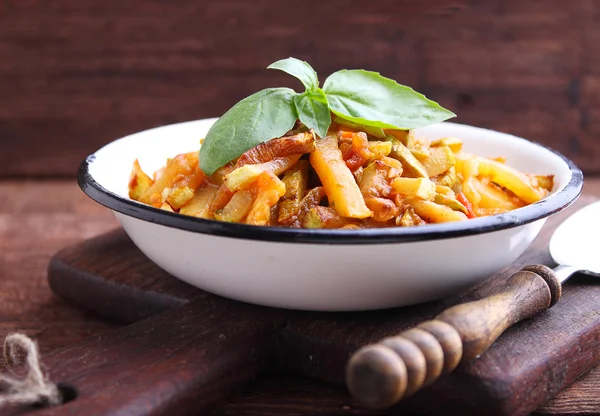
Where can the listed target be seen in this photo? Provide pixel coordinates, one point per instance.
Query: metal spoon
(380, 375)
(577, 258)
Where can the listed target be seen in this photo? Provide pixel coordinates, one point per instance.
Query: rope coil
(33, 389)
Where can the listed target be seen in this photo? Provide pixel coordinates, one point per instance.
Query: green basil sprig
(359, 97)
(370, 99)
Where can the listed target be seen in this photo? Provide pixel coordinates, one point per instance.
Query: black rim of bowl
(536, 211)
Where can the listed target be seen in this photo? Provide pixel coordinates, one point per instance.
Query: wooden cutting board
(187, 350)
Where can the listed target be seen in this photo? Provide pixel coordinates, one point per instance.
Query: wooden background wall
(75, 74)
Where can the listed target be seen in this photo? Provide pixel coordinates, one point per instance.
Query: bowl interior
(112, 164)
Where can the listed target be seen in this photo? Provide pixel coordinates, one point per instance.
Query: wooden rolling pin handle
(379, 375)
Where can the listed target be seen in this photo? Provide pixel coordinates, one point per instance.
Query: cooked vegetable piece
(414, 187)
(512, 180)
(284, 146)
(409, 162)
(448, 178)
(312, 199)
(420, 153)
(395, 165)
(182, 170)
(273, 217)
(345, 147)
(217, 177)
(350, 227)
(245, 176)
(222, 198)
(383, 209)
(345, 136)
(409, 218)
(460, 197)
(295, 180)
(269, 189)
(379, 149)
(159, 172)
(374, 181)
(469, 189)
(199, 205)
(139, 182)
(435, 213)
(180, 196)
(482, 212)
(543, 181)
(450, 202)
(349, 125)
(339, 184)
(277, 153)
(324, 217)
(445, 190)
(166, 207)
(466, 165)
(238, 207)
(452, 142)
(191, 176)
(358, 153)
(358, 174)
(492, 196)
(439, 161)
(406, 137)
(164, 195)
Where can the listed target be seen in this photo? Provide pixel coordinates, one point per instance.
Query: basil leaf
(370, 99)
(299, 69)
(313, 111)
(256, 119)
(370, 130)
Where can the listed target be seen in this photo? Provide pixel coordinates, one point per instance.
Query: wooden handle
(180, 362)
(381, 374)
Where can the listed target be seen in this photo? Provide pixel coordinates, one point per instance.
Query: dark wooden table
(37, 218)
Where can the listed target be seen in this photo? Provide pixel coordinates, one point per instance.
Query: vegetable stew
(349, 179)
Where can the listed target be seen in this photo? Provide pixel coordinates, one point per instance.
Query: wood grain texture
(34, 225)
(150, 294)
(581, 398)
(501, 382)
(80, 73)
(181, 362)
(285, 395)
(36, 219)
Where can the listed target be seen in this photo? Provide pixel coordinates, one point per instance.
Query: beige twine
(35, 388)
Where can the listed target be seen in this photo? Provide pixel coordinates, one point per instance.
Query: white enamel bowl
(326, 270)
